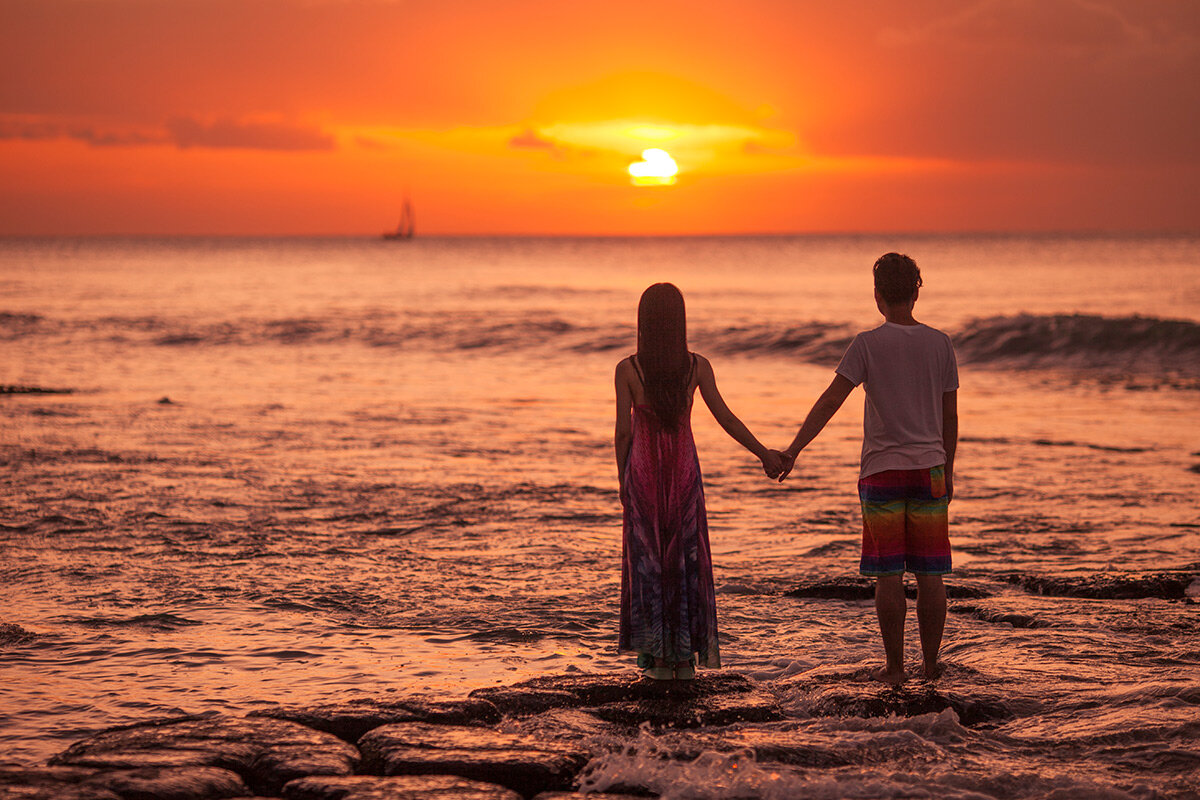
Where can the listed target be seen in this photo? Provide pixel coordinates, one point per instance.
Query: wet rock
(33, 390)
(834, 589)
(266, 753)
(405, 787)
(816, 748)
(713, 698)
(692, 712)
(594, 690)
(978, 711)
(563, 725)
(349, 721)
(588, 796)
(864, 589)
(962, 591)
(14, 634)
(910, 700)
(51, 783)
(191, 783)
(1165, 585)
(524, 702)
(523, 763)
(876, 701)
(1000, 617)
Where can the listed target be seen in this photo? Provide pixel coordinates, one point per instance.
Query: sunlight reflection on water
(377, 479)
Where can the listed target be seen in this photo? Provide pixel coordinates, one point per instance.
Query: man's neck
(899, 316)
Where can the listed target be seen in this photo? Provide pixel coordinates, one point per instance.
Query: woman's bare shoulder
(625, 366)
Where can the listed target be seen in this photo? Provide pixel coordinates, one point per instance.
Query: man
(910, 433)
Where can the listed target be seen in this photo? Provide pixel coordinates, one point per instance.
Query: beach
(300, 472)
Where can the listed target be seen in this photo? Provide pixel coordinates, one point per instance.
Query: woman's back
(668, 606)
(638, 387)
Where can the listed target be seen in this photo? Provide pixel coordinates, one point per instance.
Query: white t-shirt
(905, 370)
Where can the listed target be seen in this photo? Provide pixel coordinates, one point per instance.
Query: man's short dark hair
(897, 278)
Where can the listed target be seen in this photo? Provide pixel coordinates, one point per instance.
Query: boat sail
(404, 229)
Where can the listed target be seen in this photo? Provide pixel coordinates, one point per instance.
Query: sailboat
(404, 229)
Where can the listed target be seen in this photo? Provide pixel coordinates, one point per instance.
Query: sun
(656, 168)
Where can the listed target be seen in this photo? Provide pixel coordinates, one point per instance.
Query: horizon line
(697, 235)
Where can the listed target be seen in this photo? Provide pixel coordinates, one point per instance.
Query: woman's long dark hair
(662, 352)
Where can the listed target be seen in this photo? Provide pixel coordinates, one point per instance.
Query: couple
(910, 430)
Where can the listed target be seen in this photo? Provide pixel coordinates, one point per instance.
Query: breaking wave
(1081, 340)
(1072, 341)
(1166, 585)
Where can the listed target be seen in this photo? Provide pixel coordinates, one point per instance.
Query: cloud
(183, 132)
(114, 138)
(699, 142)
(29, 129)
(46, 128)
(528, 139)
(1053, 24)
(373, 143)
(250, 135)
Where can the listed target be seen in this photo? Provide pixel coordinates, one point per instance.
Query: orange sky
(319, 116)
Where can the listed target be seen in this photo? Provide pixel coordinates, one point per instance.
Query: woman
(668, 607)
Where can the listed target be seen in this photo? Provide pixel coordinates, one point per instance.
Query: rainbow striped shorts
(905, 524)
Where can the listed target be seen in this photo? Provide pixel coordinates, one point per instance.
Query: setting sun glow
(656, 168)
(528, 117)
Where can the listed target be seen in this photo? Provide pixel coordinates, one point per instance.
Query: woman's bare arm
(772, 463)
(623, 437)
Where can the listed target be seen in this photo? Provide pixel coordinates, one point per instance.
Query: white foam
(650, 763)
(710, 775)
(942, 726)
(779, 668)
(647, 765)
(740, 588)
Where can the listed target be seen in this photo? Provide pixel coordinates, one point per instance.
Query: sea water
(299, 470)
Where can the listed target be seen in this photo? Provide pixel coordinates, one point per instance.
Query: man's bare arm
(822, 411)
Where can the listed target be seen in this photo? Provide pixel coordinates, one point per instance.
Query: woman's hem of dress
(644, 659)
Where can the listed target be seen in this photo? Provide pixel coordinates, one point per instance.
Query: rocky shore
(535, 739)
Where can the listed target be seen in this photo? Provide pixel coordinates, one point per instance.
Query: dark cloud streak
(229, 133)
(47, 128)
(182, 132)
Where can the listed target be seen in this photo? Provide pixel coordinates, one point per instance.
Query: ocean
(297, 470)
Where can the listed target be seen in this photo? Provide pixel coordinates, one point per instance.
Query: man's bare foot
(892, 677)
(933, 671)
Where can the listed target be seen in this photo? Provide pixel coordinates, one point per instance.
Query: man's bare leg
(891, 607)
(931, 620)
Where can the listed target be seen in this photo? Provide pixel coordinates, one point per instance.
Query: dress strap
(638, 369)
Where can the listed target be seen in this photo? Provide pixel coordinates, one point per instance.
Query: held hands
(772, 463)
(789, 461)
(777, 465)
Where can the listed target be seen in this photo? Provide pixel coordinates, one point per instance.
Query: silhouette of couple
(910, 431)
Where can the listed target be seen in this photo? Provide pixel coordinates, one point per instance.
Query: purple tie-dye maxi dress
(668, 606)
